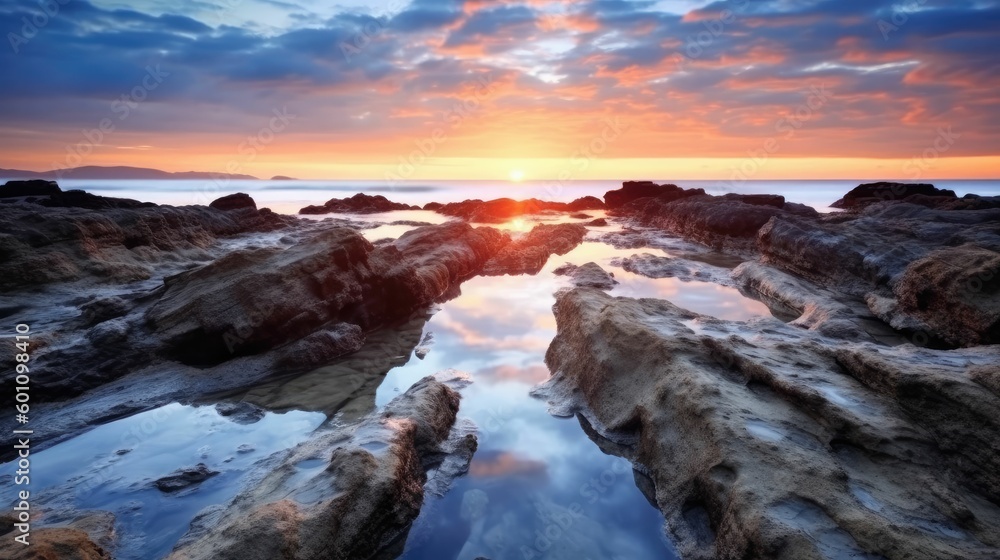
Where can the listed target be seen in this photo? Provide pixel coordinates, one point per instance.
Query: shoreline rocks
(350, 493)
(764, 442)
(504, 209)
(358, 204)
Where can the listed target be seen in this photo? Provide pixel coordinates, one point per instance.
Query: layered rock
(929, 272)
(636, 190)
(766, 442)
(529, 253)
(358, 204)
(254, 300)
(45, 245)
(504, 209)
(351, 493)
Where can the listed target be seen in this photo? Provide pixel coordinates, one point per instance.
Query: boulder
(238, 201)
(589, 275)
(635, 190)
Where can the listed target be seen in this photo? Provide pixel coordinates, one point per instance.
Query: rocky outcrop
(766, 442)
(358, 204)
(351, 493)
(504, 209)
(870, 193)
(529, 253)
(254, 300)
(112, 244)
(922, 270)
(635, 190)
(34, 187)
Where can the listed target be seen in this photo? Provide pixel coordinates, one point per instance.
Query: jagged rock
(764, 442)
(82, 199)
(45, 245)
(33, 187)
(358, 204)
(185, 478)
(589, 275)
(528, 254)
(871, 193)
(254, 300)
(238, 201)
(103, 309)
(913, 264)
(361, 502)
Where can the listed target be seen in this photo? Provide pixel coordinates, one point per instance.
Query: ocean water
(287, 197)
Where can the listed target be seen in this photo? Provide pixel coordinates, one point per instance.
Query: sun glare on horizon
(516, 175)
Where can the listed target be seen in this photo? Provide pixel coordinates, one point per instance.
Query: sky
(481, 89)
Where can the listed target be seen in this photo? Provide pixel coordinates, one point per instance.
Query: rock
(424, 347)
(241, 412)
(433, 206)
(871, 193)
(238, 201)
(103, 309)
(580, 216)
(185, 478)
(41, 245)
(251, 301)
(322, 347)
(599, 222)
(652, 266)
(955, 291)
(504, 209)
(766, 442)
(283, 178)
(361, 504)
(34, 187)
(54, 543)
(635, 190)
(358, 204)
(82, 199)
(528, 254)
(589, 275)
(911, 263)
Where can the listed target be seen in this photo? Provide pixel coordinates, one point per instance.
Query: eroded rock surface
(504, 209)
(529, 253)
(766, 441)
(350, 493)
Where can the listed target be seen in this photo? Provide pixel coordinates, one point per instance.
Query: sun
(516, 175)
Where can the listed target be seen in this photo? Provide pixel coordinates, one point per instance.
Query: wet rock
(504, 209)
(920, 269)
(322, 347)
(765, 441)
(238, 201)
(652, 266)
(82, 199)
(599, 222)
(871, 193)
(112, 243)
(103, 309)
(251, 301)
(241, 412)
(954, 292)
(589, 275)
(358, 204)
(185, 478)
(635, 190)
(424, 347)
(33, 187)
(529, 253)
(360, 504)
